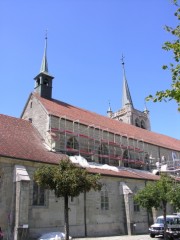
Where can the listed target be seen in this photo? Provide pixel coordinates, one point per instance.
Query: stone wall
(50, 217)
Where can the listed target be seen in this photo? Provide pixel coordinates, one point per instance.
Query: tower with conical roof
(128, 113)
(43, 81)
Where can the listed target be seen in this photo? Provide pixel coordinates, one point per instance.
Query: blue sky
(86, 39)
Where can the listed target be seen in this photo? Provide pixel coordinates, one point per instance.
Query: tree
(158, 194)
(66, 180)
(174, 46)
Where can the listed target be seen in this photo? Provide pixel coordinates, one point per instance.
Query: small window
(38, 195)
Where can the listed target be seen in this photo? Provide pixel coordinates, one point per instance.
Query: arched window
(143, 124)
(72, 144)
(38, 195)
(103, 154)
(137, 122)
(104, 198)
(147, 162)
(136, 205)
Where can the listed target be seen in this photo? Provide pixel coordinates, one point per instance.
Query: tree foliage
(66, 180)
(158, 194)
(174, 91)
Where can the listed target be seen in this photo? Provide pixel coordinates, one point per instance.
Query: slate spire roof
(44, 64)
(126, 96)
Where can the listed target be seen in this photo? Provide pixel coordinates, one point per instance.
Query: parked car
(173, 229)
(158, 227)
(53, 236)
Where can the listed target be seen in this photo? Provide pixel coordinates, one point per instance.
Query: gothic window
(136, 205)
(126, 157)
(72, 143)
(104, 198)
(143, 124)
(103, 154)
(137, 122)
(38, 195)
(72, 146)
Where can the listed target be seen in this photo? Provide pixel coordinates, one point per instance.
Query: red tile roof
(61, 109)
(20, 140)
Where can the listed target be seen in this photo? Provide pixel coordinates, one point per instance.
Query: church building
(119, 146)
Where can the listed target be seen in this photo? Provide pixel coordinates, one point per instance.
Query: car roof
(170, 216)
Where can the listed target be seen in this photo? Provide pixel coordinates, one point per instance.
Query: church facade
(119, 146)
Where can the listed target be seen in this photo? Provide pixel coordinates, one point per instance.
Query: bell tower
(43, 81)
(128, 113)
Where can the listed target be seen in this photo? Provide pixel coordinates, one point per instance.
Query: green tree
(66, 180)
(174, 91)
(158, 194)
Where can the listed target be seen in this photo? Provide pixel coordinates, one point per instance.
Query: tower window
(137, 122)
(143, 124)
(46, 82)
(38, 81)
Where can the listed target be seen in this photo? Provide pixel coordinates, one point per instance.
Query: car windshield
(160, 220)
(169, 220)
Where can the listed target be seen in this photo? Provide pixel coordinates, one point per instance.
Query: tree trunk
(66, 218)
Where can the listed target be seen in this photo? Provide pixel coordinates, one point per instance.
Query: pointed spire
(44, 64)
(126, 96)
(109, 111)
(145, 108)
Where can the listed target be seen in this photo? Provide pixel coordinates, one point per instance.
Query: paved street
(126, 237)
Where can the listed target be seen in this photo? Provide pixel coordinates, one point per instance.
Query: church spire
(109, 111)
(126, 96)
(43, 81)
(44, 64)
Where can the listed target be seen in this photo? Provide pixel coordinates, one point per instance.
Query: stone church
(119, 146)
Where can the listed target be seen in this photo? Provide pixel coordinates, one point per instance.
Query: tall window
(38, 195)
(136, 205)
(104, 199)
